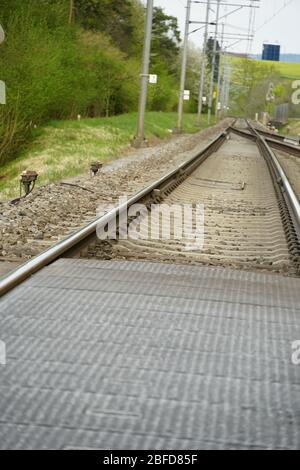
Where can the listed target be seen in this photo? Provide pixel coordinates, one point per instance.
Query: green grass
(64, 149)
(294, 128)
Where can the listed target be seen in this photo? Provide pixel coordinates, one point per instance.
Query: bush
(57, 70)
(54, 71)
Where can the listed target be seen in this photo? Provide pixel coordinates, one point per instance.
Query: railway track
(288, 154)
(251, 220)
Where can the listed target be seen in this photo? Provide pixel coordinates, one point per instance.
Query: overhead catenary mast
(183, 67)
(203, 64)
(140, 140)
(235, 7)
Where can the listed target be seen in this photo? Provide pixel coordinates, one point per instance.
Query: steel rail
(282, 178)
(276, 144)
(171, 179)
(289, 205)
(270, 134)
(279, 137)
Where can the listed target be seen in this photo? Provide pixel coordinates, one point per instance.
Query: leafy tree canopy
(122, 20)
(165, 40)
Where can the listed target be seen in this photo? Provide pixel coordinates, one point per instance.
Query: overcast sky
(283, 28)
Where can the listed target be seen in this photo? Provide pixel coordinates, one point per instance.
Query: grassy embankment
(64, 149)
(287, 70)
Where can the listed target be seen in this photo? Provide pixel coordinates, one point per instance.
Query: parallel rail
(278, 137)
(288, 202)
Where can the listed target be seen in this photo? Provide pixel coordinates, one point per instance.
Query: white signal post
(213, 66)
(2, 84)
(2, 34)
(186, 95)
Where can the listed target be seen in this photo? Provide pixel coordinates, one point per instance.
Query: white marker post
(2, 92)
(153, 79)
(2, 34)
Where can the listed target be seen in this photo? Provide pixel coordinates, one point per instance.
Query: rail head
(20, 274)
(278, 144)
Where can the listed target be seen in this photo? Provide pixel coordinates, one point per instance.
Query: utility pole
(219, 73)
(203, 65)
(212, 76)
(140, 140)
(223, 86)
(2, 84)
(183, 67)
(71, 14)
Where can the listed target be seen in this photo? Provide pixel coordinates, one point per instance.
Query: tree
(165, 40)
(122, 20)
(209, 53)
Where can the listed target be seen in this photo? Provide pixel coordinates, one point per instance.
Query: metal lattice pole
(183, 67)
(219, 73)
(203, 64)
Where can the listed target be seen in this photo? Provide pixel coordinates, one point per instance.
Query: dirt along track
(243, 228)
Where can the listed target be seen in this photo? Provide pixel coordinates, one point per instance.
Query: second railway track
(248, 221)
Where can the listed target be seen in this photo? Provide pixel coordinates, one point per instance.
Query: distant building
(271, 52)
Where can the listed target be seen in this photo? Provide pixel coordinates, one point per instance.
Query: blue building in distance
(271, 52)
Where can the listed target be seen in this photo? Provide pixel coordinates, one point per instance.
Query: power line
(286, 4)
